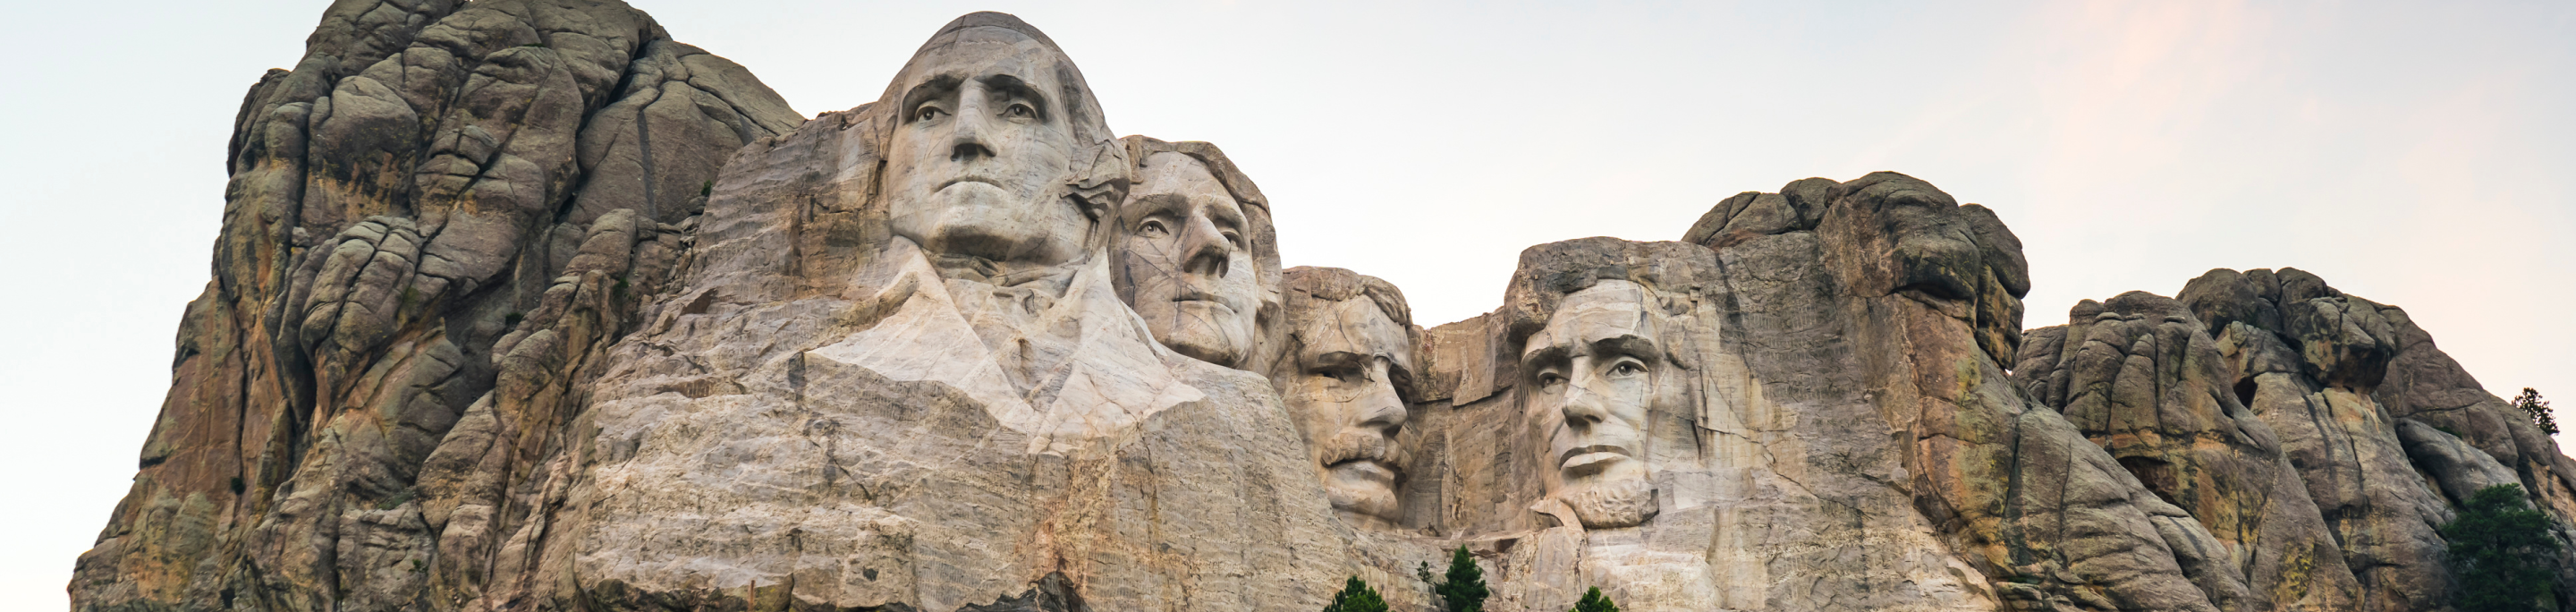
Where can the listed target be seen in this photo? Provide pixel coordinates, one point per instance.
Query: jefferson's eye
(1020, 110)
(1152, 227)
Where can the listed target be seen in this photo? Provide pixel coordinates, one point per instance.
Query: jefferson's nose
(1204, 247)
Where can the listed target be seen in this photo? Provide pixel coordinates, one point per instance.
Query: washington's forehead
(984, 51)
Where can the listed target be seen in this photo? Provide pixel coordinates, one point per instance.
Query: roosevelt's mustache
(1357, 445)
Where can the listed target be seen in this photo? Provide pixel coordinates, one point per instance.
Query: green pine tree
(1594, 601)
(1356, 596)
(2537, 409)
(2503, 553)
(1462, 589)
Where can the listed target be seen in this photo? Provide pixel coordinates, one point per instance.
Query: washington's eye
(1020, 110)
(1627, 368)
(928, 112)
(1152, 227)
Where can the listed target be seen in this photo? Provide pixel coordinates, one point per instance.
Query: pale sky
(2416, 154)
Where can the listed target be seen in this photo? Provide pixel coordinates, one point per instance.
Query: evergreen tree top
(1356, 596)
(1594, 601)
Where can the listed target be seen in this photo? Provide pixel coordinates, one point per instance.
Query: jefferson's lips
(1202, 297)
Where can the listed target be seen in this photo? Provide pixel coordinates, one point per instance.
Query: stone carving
(1196, 256)
(1350, 364)
(519, 304)
(1595, 372)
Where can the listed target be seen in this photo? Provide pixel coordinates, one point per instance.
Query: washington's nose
(1206, 250)
(967, 143)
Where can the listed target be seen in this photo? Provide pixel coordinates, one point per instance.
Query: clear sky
(2416, 154)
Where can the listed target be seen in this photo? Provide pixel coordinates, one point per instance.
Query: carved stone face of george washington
(980, 150)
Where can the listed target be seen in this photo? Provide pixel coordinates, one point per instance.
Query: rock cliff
(521, 305)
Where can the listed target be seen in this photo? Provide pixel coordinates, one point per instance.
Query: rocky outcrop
(2140, 377)
(2252, 383)
(441, 210)
(520, 305)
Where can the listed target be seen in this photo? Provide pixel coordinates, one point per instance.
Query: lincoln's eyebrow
(1544, 353)
(1627, 344)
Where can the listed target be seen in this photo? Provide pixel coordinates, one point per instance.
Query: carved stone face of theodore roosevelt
(1187, 254)
(1352, 353)
(981, 146)
(1592, 374)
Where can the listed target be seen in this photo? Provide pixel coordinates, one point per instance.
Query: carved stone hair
(1671, 272)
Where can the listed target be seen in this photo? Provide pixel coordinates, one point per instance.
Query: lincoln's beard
(1623, 502)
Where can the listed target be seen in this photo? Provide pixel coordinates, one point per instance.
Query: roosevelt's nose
(1382, 409)
(1204, 248)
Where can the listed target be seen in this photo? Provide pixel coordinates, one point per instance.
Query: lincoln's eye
(1234, 239)
(1550, 379)
(1152, 227)
(1020, 110)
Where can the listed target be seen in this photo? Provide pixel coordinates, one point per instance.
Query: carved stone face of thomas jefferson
(980, 150)
(1186, 251)
(1592, 376)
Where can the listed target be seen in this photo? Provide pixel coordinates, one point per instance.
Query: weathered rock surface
(442, 200)
(520, 305)
(2169, 384)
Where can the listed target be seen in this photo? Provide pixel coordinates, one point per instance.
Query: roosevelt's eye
(1153, 228)
(1020, 111)
(1627, 368)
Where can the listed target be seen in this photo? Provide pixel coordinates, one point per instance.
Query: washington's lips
(1575, 459)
